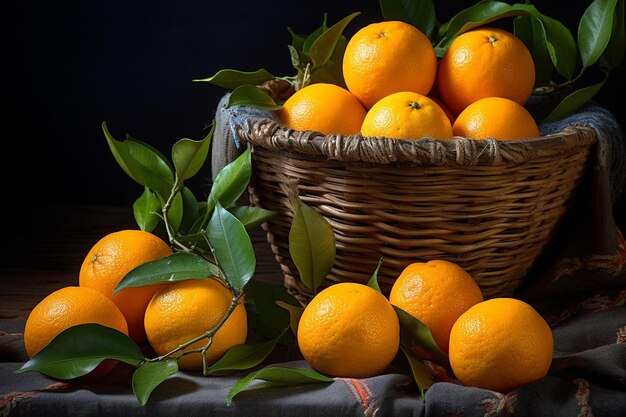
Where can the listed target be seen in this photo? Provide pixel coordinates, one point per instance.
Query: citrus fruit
(407, 115)
(495, 117)
(483, 63)
(324, 108)
(451, 116)
(110, 259)
(349, 330)
(500, 344)
(388, 57)
(65, 308)
(436, 293)
(187, 309)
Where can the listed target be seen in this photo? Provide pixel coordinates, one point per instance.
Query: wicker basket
(489, 206)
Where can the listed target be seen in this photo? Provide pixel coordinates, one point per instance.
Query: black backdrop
(73, 64)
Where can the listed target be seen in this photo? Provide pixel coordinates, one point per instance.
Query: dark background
(74, 64)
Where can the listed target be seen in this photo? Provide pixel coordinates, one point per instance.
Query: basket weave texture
(489, 206)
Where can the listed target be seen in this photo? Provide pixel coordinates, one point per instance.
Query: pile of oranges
(346, 330)
(164, 315)
(350, 329)
(397, 88)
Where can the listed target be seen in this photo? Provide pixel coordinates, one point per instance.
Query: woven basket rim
(459, 151)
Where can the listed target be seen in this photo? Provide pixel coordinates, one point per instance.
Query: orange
(436, 293)
(110, 259)
(483, 63)
(451, 116)
(349, 330)
(500, 344)
(65, 308)
(388, 57)
(187, 309)
(407, 115)
(497, 118)
(324, 108)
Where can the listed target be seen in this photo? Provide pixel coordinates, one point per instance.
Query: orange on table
(436, 293)
(110, 259)
(69, 307)
(324, 108)
(407, 115)
(349, 330)
(495, 117)
(500, 344)
(485, 62)
(186, 309)
(388, 57)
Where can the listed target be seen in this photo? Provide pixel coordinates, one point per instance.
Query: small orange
(65, 308)
(407, 115)
(436, 293)
(497, 118)
(186, 309)
(485, 62)
(110, 259)
(349, 330)
(324, 108)
(388, 57)
(500, 344)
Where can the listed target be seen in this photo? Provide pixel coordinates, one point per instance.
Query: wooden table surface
(45, 247)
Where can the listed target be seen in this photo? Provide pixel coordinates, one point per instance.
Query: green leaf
(295, 312)
(415, 335)
(574, 101)
(142, 163)
(614, 52)
(265, 318)
(231, 182)
(80, 349)
(323, 47)
(265, 295)
(297, 41)
(191, 213)
(230, 79)
(559, 41)
(310, 39)
(594, 30)
(149, 376)
(297, 58)
(189, 155)
(252, 96)
(146, 210)
(233, 248)
(241, 357)
(251, 217)
(332, 71)
(420, 13)
(175, 212)
(420, 372)
(311, 243)
(530, 31)
(278, 376)
(373, 281)
(178, 266)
